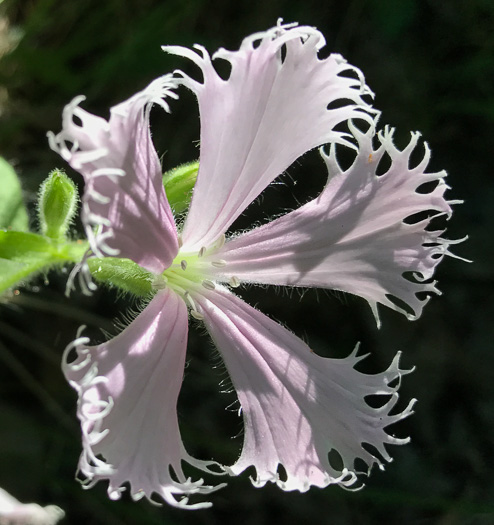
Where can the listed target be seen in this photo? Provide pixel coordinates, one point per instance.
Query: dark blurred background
(431, 65)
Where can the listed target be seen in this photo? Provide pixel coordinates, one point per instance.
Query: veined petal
(124, 196)
(353, 236)
(128, 389)
(296, 405)
(271, 110)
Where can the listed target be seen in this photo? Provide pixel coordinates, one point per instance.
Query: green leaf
(13, 213)
(179, 183)
(23, 255)
(122, 273)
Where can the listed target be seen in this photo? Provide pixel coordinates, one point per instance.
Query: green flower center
(191, 272)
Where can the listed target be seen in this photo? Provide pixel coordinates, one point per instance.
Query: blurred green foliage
(13, 213)
(431, 65)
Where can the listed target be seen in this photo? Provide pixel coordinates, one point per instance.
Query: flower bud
(179, 183)
(57, 205)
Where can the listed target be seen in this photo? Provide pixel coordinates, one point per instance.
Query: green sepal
(122, 273)
(57, 205)
(13, 214)
(23, 255)
(179, 183)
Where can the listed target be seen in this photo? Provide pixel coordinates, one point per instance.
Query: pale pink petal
(296, 405)
(128, 390)
(353, 236)
(124, 195)
(271, 110)
(13, 512)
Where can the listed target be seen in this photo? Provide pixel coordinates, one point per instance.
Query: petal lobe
(296, 405)
(354, 237)
(273, 108)
(128, 389)
(124, 207)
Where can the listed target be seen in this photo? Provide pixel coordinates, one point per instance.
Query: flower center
(190, 272)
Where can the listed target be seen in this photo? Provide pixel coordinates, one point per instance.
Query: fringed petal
(274, 107)
(353, 236)
(296, 405)
(125, 209)
(128, 389)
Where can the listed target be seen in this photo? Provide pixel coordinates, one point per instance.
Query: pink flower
(276, 104)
